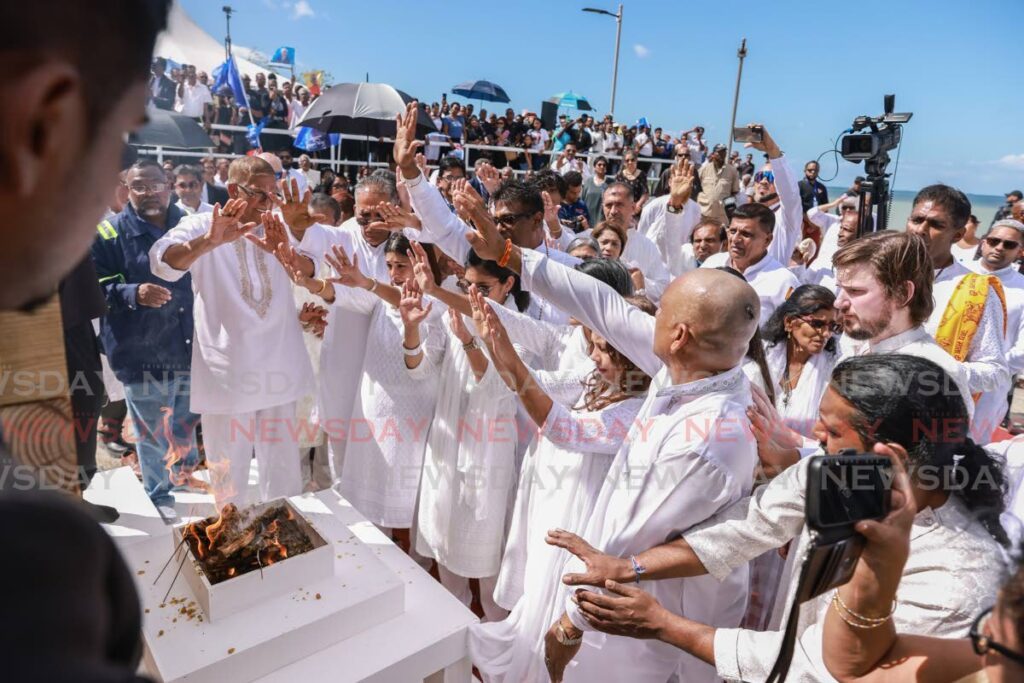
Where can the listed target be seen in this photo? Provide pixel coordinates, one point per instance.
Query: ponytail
(980, 483)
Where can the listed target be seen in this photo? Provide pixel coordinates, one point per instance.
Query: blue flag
(313, 140)
(284, 56)
(227, 75)
(253, 135)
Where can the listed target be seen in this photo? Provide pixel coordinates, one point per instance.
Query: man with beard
(147, 332)
(885, 299)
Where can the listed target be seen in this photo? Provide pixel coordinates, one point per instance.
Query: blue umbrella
(572, 101)
(481, 90)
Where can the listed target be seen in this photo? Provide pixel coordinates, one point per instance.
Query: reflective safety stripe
(106, 231)
(113, 278)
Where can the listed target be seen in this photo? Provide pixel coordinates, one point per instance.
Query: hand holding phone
(748, 134)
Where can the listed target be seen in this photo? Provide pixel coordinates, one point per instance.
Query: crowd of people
(586, 402)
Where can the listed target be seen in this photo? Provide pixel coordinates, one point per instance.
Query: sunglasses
(764, 175)
(1007, 244)
(983, 644)
(819, 325)
(509, 219)
(484, 290)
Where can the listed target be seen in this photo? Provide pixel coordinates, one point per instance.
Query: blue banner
(284, 56)
(227, 74)
(312, 140)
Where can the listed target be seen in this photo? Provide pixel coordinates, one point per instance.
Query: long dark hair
(598, 393)
(397, 243)
(913, 402)
(805, 300)
(492, 268)
(755, 347)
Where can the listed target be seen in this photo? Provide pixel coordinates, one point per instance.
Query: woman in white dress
(561, 477)
(387, 432)
(800, 346)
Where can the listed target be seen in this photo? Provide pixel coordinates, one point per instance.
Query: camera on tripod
(872, 147)
(885, 134)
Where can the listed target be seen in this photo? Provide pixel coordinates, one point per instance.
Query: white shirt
(296, 109)
(1013, 288)
(986, 358)
(671, 232)
(789, 212)
(643, 144)
(540, 140)
(964, 254)
(300, 180)
(192, 100)
(914, 342)
(567, 166)
(203, 208)
(696, 150)
(248, 352)
(643, 254)
(772, 281)
(952, 573)
(665, 478)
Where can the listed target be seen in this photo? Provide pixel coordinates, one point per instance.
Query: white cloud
(301, 9)
(641, 51)
(1014, 161)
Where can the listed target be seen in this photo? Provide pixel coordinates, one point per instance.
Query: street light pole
(741, 53)
(227, 39)
(618, 40)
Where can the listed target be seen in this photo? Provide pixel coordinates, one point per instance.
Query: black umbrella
(168, 129)
(362, 109)
(481, 90)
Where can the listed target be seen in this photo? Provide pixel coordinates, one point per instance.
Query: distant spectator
(593, 189)
(718, 180)
(311, 175)
(188, 185)
(161, 88)
(328, 206)
(812, 192)
(568, 162)
(694, 140)
(1006, 210)
(573, 212)
(221, 177)
(193, 98)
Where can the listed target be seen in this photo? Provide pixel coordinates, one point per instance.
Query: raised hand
(490, 328)
(485, 239)
(626, 611)
(458, 326)
(489, 177)
(313, 319)
(151, 295)
(421, 163)
(274, 234)
(767, 144)
(299, 268)
(681, 183)
(394, 217)
(551, 213)
(637, 277)
(777, 444)
(468, 203)
(348, 271)
(406, 143)
(421, 268)
(600, 567)
(227, 225)
(411, 306)
(295, 208)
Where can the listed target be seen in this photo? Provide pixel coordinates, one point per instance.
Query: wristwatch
(470, 345)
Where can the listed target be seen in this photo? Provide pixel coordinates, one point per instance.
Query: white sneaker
(169, 514)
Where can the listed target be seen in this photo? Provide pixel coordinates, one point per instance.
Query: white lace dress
(387, 433)
(561, 477)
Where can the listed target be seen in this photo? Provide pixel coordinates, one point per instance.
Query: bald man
(687, 457)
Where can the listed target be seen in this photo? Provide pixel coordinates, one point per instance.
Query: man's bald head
(705, 322)
(273, 160)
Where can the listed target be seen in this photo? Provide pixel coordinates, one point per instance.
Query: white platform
(428, 640)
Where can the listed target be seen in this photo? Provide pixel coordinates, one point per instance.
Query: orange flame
(175, 452)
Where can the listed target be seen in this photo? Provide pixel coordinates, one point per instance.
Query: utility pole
(741, 53)
(227, 39)
(618, 40)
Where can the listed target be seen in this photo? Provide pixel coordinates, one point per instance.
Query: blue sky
(811, 68)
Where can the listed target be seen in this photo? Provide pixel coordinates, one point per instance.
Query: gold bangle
(866, 622)
(373, 287)
(323, 286)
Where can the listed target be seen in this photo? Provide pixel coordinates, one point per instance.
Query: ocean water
(983, 206)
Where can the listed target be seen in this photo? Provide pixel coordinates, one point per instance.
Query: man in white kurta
(249, 364)
(998, 259)
(687, 457)
(939, 216)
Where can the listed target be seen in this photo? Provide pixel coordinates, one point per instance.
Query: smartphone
(844, 489)
(748, 134)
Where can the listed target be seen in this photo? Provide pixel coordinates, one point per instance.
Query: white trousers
(459, 587)
(230, 441)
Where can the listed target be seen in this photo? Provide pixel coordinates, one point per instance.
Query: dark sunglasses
(764, 175)
(509, 219)
(982, 643)
(819, 325)
(1007, 244)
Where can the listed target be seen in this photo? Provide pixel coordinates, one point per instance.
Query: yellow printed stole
(963, 314)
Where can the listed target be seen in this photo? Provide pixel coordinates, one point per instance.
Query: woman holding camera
(862, 642)
(956, 555)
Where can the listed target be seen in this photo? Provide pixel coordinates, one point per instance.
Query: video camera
(873, 147)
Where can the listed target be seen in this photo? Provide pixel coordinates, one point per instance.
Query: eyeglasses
(509, 219)
(819, 325)
(483, 289)
(982, 643)
(764, 175)
(253, 192)
(143, 188)
(1007, 244)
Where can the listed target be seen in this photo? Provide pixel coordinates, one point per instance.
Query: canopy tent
(186, 43)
